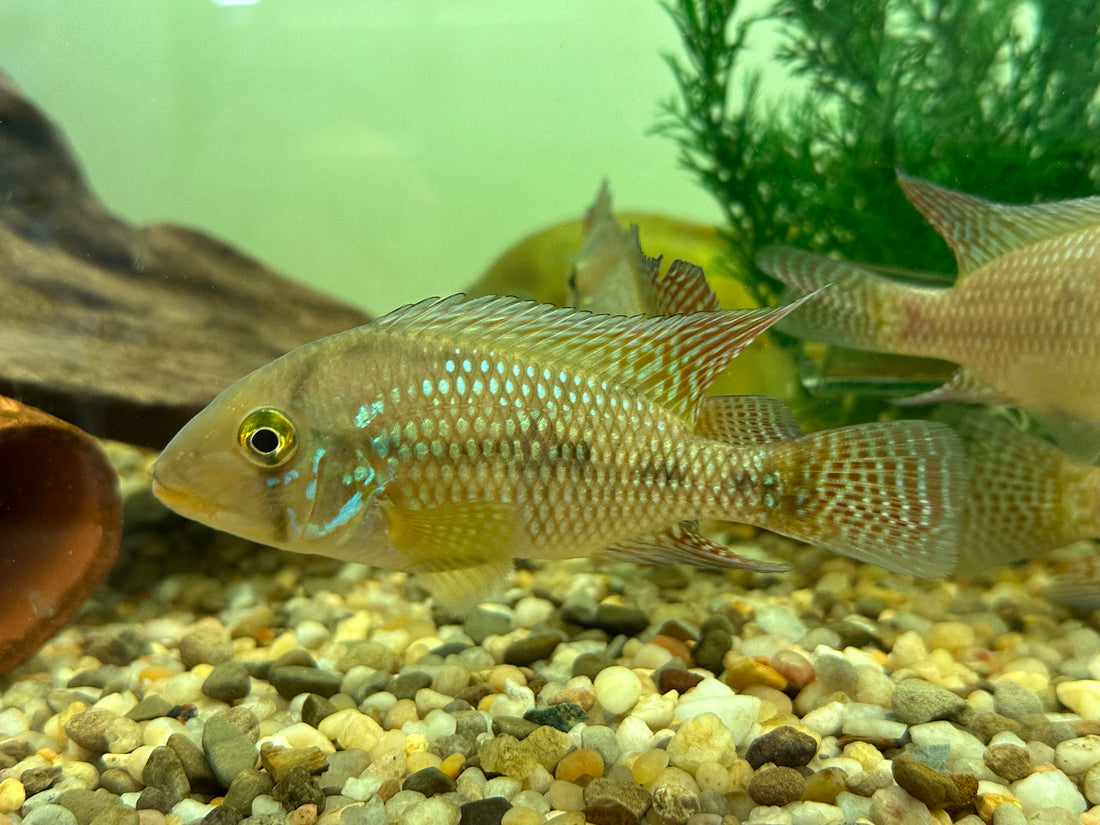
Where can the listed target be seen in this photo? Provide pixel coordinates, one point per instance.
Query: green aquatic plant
(994, 97)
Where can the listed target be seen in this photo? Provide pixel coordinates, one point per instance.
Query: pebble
(228, 681)
(165, 772)
(1012, 699)
(1082, 697)
(227, 749)
(952, 792)
(530, 649)
(205, 645)
(564, 716)
(1048, 789)
(711, 650)
(702, 738)
(49, 815)
(291, 680)
(916, 701)
(776, 786)
(581, 762)
(488, 811)
(1076, 756)
(617, 689)
(784, 745)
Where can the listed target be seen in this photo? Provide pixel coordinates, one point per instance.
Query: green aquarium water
(382, 151)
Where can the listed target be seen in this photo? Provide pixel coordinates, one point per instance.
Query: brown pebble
(388, 788)
(678, 680)
(785, 746)
(795, 667)
(1010, 762)
(677, 630)
(583, 698)
(609, 812)
(952, 792)
(674, 646)
(776, 786)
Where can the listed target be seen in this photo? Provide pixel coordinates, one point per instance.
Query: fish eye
(266, 437)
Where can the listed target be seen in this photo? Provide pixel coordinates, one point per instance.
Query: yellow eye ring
(267, 437)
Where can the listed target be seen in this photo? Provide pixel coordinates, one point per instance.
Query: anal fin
(683, 544)
(744, 420)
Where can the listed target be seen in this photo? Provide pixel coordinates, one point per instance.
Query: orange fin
(672, 360)
(744, 420)
(979, 230)
(889, 493)
(965, 387)
(683, 544)
(461, 551)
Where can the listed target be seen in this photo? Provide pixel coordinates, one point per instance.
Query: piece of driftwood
(126, 331)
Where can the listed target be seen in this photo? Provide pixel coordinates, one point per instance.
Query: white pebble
(861, 719)
(12, 722)
(780, 620)
(617, 689)
(190, 810)
(361, 788)
(825, 720)
(655, 710)
(301, 735)
(311, 634)
(738, 712)
(815, 813)
(400, 803)
(502, 786)
(893, 806)
(155, 732)
(267, 804)
(963, 745)
(1091, 784)
(855, 808)
(633, 735)
(702, 738)
(1048, 789)
(1076, 756)
(437, 810)
(531, 610)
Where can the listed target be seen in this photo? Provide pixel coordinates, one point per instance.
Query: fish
(1022, 320)
(1028, 497)
(451, 436)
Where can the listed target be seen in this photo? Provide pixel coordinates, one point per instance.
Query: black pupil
(264, 440)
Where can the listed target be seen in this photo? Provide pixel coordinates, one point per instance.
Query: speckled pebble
(953, 792)
(165, 772)
(89, 729)
(564, 716)
(703, 738)
(227, 750)
(205, 645)
(776, 786)
(711, 649)
(916, 701)
(298, 788)
(1013, 700)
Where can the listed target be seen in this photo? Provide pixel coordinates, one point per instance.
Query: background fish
(450, 437)
(1022, 320)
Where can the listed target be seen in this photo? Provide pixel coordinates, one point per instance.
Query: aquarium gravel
(217, 681)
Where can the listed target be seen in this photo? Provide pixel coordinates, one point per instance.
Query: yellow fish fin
(745, 420)
(683, 544)
(462, 551)
(671, 360)
(979, 230)
(965, 387)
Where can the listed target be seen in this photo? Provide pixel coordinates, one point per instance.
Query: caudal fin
(889, 493)
(862, 310)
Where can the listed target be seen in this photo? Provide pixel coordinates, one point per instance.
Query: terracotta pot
(60, 525)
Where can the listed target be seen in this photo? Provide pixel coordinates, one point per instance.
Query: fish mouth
(183, 502)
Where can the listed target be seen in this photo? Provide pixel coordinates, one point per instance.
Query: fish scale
(451, 437)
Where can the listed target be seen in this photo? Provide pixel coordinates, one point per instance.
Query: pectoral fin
(462, 551)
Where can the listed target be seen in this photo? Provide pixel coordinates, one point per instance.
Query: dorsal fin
(672, 360)
(683, 289)
(978, 230)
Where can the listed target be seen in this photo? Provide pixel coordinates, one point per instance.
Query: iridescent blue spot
(317, 456)
(367, 413)
(379, 446)
(271, 482)
(479, 386)
(444, 385)
(494, 386)
(426, 387)
(364, 473)
(460, 385)
(352, 506)
(484, 366)
(466, 365)
(449, 365)
(311, 490)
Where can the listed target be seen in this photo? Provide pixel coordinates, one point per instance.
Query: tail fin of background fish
(1076, 583)
(889, 493)
(1027, 496)
(863, 310)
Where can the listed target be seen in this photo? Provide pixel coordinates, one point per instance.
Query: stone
(776, 786)
(433, 811)
(609, 812)
(590, 664)
(505, 754)
(89, 729)
(290, 680)
(190, 756)
(228, 681)
(711, 650)
(581, 762)
(678, 680)
(617, 619)
(119, 781)
(164, 771)
(1081, 696)
(13, 793)
(488, 811)
(530, 649)
(702, 738)
(785, 746)
(617, 688)
(227, 749)
(548, 745)
(245, 787)
(156, 799)
(1076, 756)
(428, 781)
(222, 815)
(633, 797)
(674, 802)
(205, 645)
(1048, 789)
(49, 814)
(298, 788)
(514, 726)
(1013, 700)
(564, 716)
(1012, 762)
(36, 780)
(280, 761)
(152, 706)
(406, 684)
(487, 620)
(916, 701)
(952, 792)
(315, 708)
(117, 815)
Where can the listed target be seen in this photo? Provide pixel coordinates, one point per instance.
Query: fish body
(1022, 320)
(451, 437)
